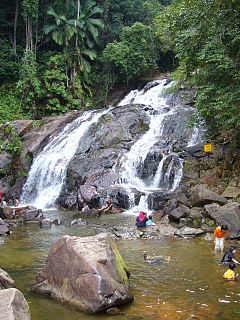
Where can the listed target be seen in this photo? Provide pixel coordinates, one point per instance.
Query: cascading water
(48, 171)
(169, 170)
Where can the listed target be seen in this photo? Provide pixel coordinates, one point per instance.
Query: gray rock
(29, 215)
(57, 221)
(3, 228)
(13, 305)
(179, 212)
(75, 264)
(229, 215)
(6, 281)
(187, 232)
(46, 222)
(201, 196)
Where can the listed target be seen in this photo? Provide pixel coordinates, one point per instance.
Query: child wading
(230, 274)
(220, 233)
(229, 256)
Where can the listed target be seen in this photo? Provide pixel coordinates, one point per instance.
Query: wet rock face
(86, 272)
(98, 152)
(13, 305)
(147, 169)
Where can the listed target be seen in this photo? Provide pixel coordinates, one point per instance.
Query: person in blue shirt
(149, 222)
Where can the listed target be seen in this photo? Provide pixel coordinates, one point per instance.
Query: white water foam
(48, 171)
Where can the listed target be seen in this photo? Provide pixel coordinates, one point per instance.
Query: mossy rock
(120, 265)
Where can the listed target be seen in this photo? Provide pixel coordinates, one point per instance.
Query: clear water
(191, 286)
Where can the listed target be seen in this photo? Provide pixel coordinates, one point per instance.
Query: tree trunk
(15, 29)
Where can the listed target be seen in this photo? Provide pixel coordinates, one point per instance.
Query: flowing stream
(190, 286)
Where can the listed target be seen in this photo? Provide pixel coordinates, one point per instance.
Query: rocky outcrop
(86, 272)
(4, 228)
(179, 212)
(187, 232)
(228, 214)
(34, 135)
(201, 196)
(13, 305)
(6, 281)
(26, 214)
(233, 188)
(90, 176)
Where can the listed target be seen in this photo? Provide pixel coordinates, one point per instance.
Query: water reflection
(191, 286)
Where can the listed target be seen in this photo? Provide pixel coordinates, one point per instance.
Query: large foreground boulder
(88, 273)
(13, 305)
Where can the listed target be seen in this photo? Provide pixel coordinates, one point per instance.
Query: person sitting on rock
(108, 206)
(150, 222)
(220, 233)
(230, 274)
(141, 219)
(85, 209)
(229, 256)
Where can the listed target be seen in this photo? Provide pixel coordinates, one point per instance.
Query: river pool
(190, 286)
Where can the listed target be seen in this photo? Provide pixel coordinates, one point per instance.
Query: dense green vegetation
(61, 55)
(205, 36)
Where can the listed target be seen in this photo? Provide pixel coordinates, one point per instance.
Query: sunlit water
(190, 286)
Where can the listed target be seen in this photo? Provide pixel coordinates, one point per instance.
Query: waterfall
(169, 172)
(48, 171)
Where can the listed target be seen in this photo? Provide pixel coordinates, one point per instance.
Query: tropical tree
(135, 54)
(205, 36)
(77, 31)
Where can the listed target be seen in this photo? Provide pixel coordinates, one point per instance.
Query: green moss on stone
(120, 265)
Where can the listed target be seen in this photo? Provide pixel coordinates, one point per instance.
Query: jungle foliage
(60, 55)
(205, 36)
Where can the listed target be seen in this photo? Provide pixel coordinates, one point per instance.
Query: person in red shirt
(220, 234)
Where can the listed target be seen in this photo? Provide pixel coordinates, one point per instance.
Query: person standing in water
(220, 234)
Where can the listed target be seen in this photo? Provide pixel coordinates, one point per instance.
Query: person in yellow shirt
(230, 274)
(220, 234)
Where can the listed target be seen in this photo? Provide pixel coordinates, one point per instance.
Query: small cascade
(167, 173)
(48, 171)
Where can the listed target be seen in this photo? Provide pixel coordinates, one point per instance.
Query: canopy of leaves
(135, 53)
(205, 36)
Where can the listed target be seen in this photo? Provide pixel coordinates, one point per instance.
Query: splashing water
(139, 151)
(48, 171)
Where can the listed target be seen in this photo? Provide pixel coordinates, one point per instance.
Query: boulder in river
(3, 228)
(6, 281)
(13, 305)
(187, 232)
(88, 273)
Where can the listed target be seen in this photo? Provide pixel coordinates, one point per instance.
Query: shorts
(219, 243)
